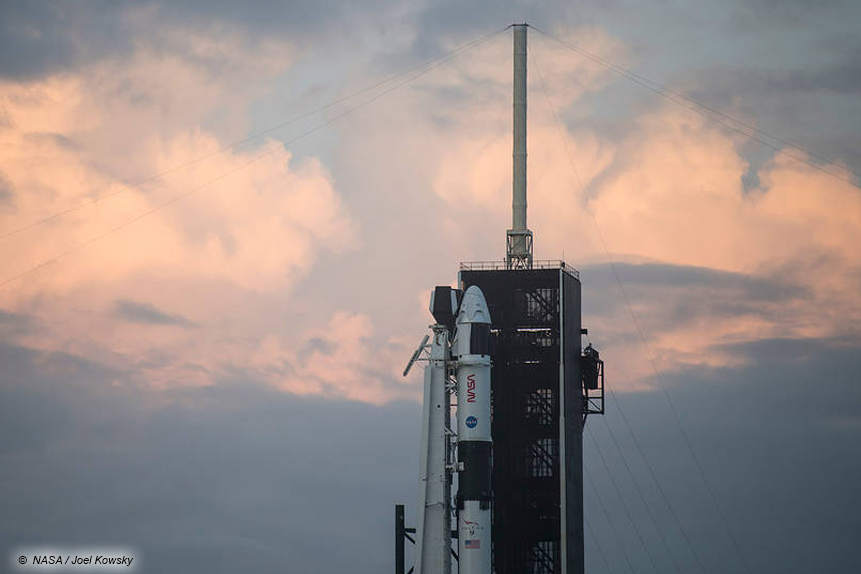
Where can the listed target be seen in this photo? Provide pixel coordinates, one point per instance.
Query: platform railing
(500, 266)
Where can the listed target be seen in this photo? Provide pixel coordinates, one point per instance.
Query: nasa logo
(470, 389)
(471, 422)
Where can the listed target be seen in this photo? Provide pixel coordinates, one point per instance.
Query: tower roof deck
(499, 265)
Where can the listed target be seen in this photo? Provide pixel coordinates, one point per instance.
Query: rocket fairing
(471, 351)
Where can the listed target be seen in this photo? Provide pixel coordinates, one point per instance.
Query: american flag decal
(472, 544)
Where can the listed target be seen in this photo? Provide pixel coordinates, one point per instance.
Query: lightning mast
(518, 244)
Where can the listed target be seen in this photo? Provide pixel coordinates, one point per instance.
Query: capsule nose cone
(473, 307)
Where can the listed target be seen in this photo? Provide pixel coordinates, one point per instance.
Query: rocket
(471, 353)
(467, 357)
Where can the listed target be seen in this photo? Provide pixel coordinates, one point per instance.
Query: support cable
(609, 519)
(622, 500)
(642, 496)
(739, 126)
(663, 387)
(615, 442)
(654, 365)
(127, 186)
(598, 545)
(256, 158)
(657, 372)
(655, 479)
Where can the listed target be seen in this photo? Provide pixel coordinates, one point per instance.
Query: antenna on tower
(518, 249)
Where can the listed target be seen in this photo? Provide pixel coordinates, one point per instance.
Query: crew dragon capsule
(471, 351)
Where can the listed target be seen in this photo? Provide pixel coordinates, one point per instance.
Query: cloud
(342, 359)
(791, 14)
(238, 205)
(742, 424)
(262, 255)
(671, 192)
(136, 312)
(210, 241)
(232, 476)
(6, 192)
(682, 294)
(746, 257)
(47, 37)
(241, 472)
(303, 272)
(675, 195)
(688, 316)
(743, 262)
(13, 325)
(841, 77)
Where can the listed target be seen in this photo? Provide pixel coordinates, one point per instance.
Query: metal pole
(399, 539)
(518, 248)
(519, 180)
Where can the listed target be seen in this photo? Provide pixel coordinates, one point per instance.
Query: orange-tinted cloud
(254, 225)
(669, 190)
(340, 359)
(227, 258)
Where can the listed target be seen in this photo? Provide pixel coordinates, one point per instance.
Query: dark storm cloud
(775, 440)
(48, 138)
(839, 78)
(317, 345)
(13, 324)
(7, 317)
(222, 479)
(303, 18)
(689, 276)
(137, 312)
(679, 294)
(468, 20)
(6, 191)
(786, 12)
(42, 37)
(42, 394)
(240, 477)
(821, 100)
(844, 77)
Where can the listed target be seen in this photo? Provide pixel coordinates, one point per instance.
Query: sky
(220, 223)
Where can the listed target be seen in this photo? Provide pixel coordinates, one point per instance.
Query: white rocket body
(471, 351)
(433, 540)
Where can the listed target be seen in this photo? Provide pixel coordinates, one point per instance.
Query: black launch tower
(540, 398)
